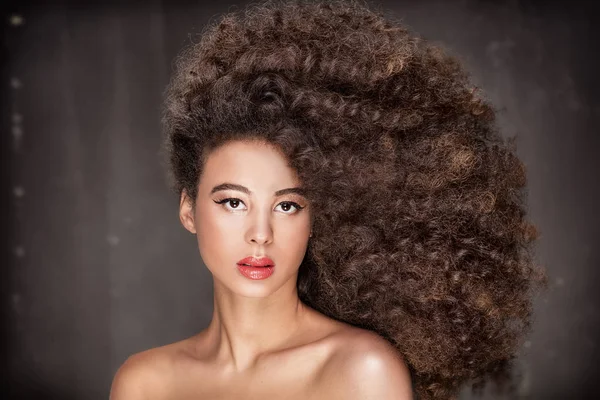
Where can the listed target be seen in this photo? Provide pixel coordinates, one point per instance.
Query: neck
(244, 328)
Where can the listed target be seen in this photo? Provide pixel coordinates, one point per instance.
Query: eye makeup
(236, 204)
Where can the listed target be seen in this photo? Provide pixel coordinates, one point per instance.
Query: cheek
(217, 235)
(293, 238)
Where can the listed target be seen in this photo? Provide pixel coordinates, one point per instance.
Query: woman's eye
(288, 207)
(232, 204)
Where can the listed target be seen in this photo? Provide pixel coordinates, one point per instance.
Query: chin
(245, 287)
(254, 292)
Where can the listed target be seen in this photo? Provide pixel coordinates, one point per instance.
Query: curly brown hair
(418, 203)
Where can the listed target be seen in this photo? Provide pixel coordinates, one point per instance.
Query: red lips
(256, 262)
(256, 268)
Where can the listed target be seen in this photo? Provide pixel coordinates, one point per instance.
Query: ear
(186, 212)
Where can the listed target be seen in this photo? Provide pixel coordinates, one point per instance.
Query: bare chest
(293, 377)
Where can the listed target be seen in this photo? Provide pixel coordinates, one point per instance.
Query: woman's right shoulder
(147, 375)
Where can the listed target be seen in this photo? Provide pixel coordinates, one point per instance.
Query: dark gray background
(95, 265)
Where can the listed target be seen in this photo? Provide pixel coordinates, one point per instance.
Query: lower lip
(255, 273)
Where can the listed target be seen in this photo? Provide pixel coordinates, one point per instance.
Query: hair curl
(418, 203)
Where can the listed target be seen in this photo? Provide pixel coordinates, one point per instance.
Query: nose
(260, 230)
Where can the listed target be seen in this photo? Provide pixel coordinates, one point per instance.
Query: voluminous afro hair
(418, 203)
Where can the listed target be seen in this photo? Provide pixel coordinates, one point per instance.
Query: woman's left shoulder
(367, 366)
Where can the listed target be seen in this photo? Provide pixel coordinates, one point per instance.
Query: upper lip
(256, 261)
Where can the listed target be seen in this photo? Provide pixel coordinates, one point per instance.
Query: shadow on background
(35, 391)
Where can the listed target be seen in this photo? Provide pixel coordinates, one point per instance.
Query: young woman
(362, 218)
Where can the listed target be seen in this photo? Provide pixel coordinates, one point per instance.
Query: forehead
(254, 164)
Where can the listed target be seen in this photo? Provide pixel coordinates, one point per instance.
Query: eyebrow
(244, 189)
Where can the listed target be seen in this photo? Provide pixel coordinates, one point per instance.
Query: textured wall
(96, 266)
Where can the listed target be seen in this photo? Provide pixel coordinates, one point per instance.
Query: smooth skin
(262, 342)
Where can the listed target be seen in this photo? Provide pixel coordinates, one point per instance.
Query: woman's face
(249, 204)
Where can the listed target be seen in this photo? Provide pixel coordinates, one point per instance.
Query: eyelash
(292, 203)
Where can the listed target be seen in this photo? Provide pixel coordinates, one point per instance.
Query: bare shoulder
(147, 375)
(364, 365)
